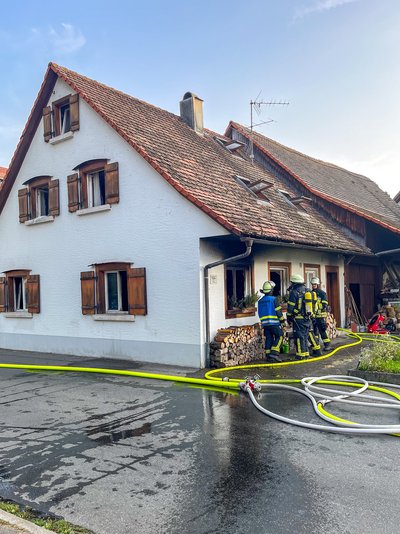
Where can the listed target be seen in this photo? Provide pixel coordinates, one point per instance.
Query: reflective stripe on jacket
(269, 311)
(322, 303)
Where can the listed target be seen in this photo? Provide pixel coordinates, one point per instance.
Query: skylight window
(257, 188)
(295, 202)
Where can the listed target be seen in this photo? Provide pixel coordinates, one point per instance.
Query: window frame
(57, 106)
(29, 201)
(30, 285)
(248, 267)
(310, 270)
(280, 266)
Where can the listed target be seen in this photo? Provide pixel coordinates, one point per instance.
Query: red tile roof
(198, 167)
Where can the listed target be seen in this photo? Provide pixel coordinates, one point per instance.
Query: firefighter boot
(327, 346)
(273, 358)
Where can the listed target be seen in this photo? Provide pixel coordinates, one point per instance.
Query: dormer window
(39, 200)
(61, 118)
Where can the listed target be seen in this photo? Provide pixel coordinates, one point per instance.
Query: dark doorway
(332, 291)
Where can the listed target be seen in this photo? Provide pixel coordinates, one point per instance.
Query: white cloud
(66, 40)
(320, 6)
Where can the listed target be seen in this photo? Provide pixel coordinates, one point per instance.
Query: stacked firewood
(237, 345)
(331, 328)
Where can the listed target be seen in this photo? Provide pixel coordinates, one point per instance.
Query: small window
(114, 288)
(20, 296)
(258, 188)
(40, 198)
(310, 271)
(294, 202)
(238, 289)
(96, 183)
(61, 117)
(116, 291)
(96, 188)
(19, 292)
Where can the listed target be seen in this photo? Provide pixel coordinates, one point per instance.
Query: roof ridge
(59, 68)
(327, 163)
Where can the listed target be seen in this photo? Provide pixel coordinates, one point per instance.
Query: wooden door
(332, 291)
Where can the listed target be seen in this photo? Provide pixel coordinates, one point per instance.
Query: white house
(127, 231)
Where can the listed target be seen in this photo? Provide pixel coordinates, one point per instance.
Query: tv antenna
(256, 106)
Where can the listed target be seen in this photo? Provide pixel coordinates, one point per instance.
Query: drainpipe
(249, 245)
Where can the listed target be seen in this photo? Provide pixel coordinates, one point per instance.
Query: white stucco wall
(153, 226)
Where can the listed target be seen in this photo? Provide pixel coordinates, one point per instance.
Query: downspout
(249, 245)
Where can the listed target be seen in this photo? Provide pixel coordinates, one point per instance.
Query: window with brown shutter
(47, 124)
(40, 198)
(23, 204)
(95, 184)
(88, 280)
(20, 292)
(62, 117)
(33, 293)
(115, 289)
(3, 294)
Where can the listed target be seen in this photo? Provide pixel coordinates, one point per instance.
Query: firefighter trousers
(319, 327)
(273, 339)
(301, 329)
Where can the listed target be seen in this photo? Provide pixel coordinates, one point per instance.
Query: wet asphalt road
(124, 455)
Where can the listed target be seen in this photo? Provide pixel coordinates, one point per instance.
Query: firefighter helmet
(267, 287)
(315, 280)
(272, 284)
(297, 279)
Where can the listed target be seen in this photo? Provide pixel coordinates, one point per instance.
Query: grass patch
(381, 357)
(56, 525)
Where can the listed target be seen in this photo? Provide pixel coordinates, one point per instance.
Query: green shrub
(381, 356)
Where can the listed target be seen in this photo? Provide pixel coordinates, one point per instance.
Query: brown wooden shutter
(74, 112)
(112, 183)
(47, 129)
(88, 291)
(33, 286)
(137, 295)
(23, 205)
(3, 294)
(54, 197)
(73, 192)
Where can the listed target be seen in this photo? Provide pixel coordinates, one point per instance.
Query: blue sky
(335, 61)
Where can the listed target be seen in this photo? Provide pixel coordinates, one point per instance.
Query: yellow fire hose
(212, 381)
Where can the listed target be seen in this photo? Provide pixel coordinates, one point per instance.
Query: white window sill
(40, 220)
(61, 138)
(19, 315)
(95, 209)
(118, 317)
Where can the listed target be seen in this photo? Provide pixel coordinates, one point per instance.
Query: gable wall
(153, 226)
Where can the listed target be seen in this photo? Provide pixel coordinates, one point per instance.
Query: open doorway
(332, 291)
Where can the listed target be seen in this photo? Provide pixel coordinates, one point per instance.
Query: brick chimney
(192, 112)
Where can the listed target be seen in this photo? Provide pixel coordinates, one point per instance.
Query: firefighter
(319, 323)
(299, 314)
(272, 321)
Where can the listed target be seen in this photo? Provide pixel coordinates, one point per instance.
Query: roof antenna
(256, 106)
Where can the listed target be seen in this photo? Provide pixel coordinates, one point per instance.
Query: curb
(376, 376)
(23, 524)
